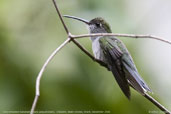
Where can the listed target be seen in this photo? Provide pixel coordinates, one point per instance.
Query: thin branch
(83, 49)
(59, 14)
(166, 111)
(41, 72)
(87, 53)
(121, 35)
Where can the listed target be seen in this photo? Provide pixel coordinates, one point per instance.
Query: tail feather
(136, 81)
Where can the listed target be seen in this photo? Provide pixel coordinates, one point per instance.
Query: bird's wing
(113, 55)
(131, 72)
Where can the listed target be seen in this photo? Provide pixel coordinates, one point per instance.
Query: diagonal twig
(150, 98)
(87, 53)
(59, 14)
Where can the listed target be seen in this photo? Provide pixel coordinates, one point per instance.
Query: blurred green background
(30, 30)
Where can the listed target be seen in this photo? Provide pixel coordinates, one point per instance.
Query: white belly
(97, 51)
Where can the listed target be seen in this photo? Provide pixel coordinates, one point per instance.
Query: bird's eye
(98, 24)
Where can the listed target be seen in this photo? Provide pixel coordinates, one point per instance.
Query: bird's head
(96, 25)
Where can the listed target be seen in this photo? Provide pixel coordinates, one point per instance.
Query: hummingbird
(115, 55)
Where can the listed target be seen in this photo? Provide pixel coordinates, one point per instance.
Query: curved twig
(41, 72)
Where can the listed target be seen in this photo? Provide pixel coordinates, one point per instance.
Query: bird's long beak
(77, 18)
